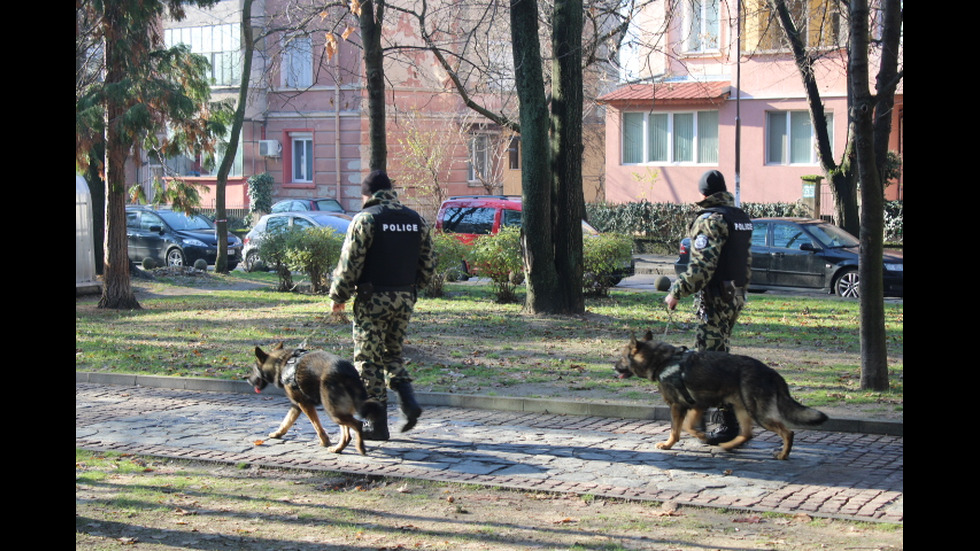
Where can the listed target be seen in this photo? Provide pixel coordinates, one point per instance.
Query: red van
(469, 216)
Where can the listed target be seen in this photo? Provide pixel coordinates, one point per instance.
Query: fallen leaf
(258, 442)
(565, 521)
(754, 519)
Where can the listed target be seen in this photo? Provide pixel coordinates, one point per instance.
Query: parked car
(284, 220)
(470, 216)
(175, 239)
(299, 205)
(804, 254)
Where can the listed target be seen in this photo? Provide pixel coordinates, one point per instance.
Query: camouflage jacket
(358, 241)
(708, 234)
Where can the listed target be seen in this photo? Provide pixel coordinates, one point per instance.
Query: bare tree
(238, 120)
(866, 152)
(872, 114)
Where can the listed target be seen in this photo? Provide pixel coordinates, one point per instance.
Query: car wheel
(847, 284)
(251, 262)
(175, 257)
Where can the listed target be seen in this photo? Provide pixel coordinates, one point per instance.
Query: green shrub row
(498, 258)
(659, 227)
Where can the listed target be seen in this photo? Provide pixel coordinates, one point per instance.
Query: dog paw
(664, 445)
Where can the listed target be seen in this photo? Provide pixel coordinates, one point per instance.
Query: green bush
(603, 256)
(274, 251)
(315, 252)
(450, 255)
(498, 257)
(260, 193)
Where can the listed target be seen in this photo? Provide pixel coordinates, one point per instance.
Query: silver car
(285, 220)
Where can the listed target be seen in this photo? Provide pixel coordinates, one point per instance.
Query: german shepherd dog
(311, 378)
(692, 382)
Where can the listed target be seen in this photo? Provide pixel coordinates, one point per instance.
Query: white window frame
(673, 138)
(702, 25)
(302, 157)
(789, 134)
(478, 167)
(297, 62)
(221, 44)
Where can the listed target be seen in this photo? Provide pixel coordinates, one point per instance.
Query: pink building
(306, 121)
(680, 119)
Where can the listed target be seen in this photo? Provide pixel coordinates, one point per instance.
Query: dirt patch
(161, 505)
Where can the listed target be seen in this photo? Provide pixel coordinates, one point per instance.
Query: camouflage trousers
(380, 323)
(717, 319)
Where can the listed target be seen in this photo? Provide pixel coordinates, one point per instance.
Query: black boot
(410, 408)
(376, 427)
(727, 428)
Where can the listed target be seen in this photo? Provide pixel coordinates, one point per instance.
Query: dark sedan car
(174, 238)
(803, 254)
(299, 205)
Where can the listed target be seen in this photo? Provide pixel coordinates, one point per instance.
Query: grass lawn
(464, 342)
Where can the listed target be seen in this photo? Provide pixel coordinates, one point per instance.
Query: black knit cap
(711, 182)
(375, 181)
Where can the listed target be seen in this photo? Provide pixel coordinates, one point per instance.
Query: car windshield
(329, 205)
(181, 221)
(830, 236)
(334, 221)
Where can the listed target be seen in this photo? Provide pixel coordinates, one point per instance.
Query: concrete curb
(499, 403)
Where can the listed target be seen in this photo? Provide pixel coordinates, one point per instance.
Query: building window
(479, 162)
(302, 151)
(790, 139)
(819, 23)
(221, 44)
(702, 25)
(514, 153)
(297, 62)
(670, 137)
(206, 165)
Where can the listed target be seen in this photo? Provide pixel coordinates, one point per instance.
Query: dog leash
(670, 319)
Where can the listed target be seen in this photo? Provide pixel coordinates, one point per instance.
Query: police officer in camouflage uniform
(387, 255)
(719, 269)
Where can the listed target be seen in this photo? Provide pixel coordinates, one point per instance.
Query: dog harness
(673, 375)
(288, 375)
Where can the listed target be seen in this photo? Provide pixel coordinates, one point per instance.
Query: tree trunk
(567, 196)
(536, 228)
(117, 291)
(874, 366)
(370, 18)
(221, 217)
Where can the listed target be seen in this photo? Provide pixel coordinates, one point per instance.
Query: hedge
(659, 227)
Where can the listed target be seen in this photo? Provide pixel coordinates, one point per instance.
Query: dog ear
(278, 346)
(648, 336)
(260, 355)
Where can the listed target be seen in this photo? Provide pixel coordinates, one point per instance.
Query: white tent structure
(85, 280)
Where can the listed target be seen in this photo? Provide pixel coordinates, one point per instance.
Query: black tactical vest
(393, 259)
(733, 264)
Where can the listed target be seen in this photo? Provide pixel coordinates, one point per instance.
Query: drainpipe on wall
(336, 111)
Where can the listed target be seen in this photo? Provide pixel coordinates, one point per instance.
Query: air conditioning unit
(269, 148)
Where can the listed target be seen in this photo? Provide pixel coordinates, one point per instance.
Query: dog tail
(798, 414)
(371, 409)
